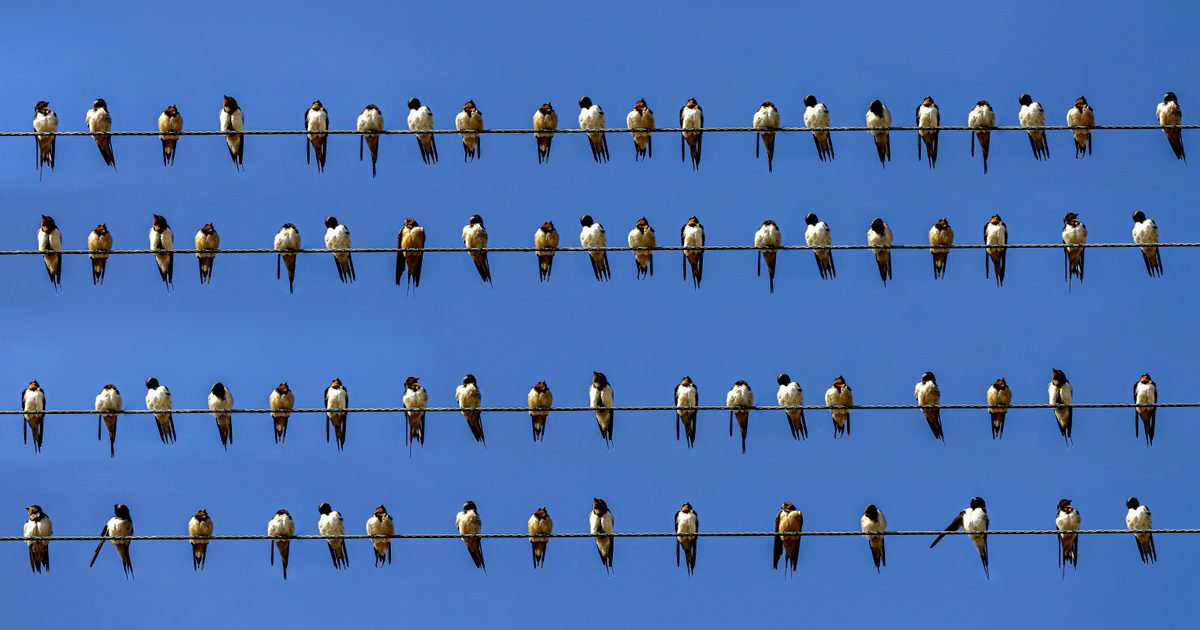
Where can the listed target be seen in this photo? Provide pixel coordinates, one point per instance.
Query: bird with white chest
(1067, 521)
(381, 524)
(643, 240)
(740, 400)
(765, 121)
(1082, 116)
(469, 400)
(995, 236)
(49, 240)
(1074, 233)
(686, 395)
(540, 400)
(600, 398)
(592, 117)
(415, 400)
(691, 119)
(33, 401)
(981, 120)
(220, 401)
(1032, 115)
(1168, 114)
(1145, 392)
(200, 529)
(1145, 233)
(116, 530)
(475, 237)
(281, 401)
(941, 238)
(38, 525)
(593, 238)
(162, 241)
(337, 237)
(928, 118)
(929, 397)
(208, 241)
(600, 522)
(1060, 395)
(974, 519)
(818, 235)
(879, 236)
(99, 122)
(331, 523)
(232, 122)
(641, 117)
(1138, 518)
(108, 403)
(45, 121)
(692, 236)
(470, 525)
(100, 242)
(545, 240)
(816, 117)
(879, 119)
(369, 123)
(281, 528)
(287, 242)
(768, 240)
(420, 118)
(470, 119)
(839, 395)
(687, 525)
(790, 394)
(316, 119)
(337, 400)
(158, 400)
(873, 522)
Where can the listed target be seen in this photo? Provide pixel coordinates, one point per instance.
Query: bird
(789, 520)
(469, 525)
(545, 121)
(768, 239)
(642, 238)
(766, 119)
(999, 397)
(981, 120)
(1145, 392)
(370, 120)
(974, 520)
(330, 523)
(600, 396)
(540, 526)
(995, 234)
(158, 400)
(467, 120)
(411, 237)
(692, 235)
(49, 239)
(337, 397)
(691, 116)
(45, 121)
(469, 399)
(1060, 396)
(1066, 520)
(207, 239)
(100, 242)
(816, 116)
(420, 118)
(1074, 233)
(1168, 113)
(740, 399)
(928, 117)
(539, 398)
(381, 524)
(1083, 117)
(108, 403)
(880, 119)
(117, 527)
(33, 400)
(545, 239)
(600, 522)
(593, 238)
(874, 521)
(316, 119)
(220, 401)
(415, 400)
(200, 529)
(941, 237)
(232, 119)
(879, 236)
(170, 120)
(475, 238)
(790, 394)
(592, 117)
(99, 123)
(162, 241)
(337, 236)
(287, 242)
(839, 394)
(281, 528)
(1138, 518)
(38, 525)
(686, 522)
(1031, 114)
(929, 396)
(282, 401)
(641, 117)
(818, 235)
(1145, 232)
(686, 395)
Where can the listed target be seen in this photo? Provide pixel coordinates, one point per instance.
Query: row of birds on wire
(381, 530)
(739, 401)
(768, 242)
(640, 121)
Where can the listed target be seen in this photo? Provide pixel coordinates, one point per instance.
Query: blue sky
(247, 331)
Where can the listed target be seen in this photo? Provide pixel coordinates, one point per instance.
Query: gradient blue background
(247, 331)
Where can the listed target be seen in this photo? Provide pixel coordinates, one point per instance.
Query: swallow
(1145, 232)
(789, 520)
(282, 401)
(930, 398)
(817, 234)
(592, 117)
(38, 525)
(468, 120)
(686, 395)
(691, 116)
(999, 397)
(49, 239)
(981, 120)
(545, 121)
(232, 123)
(370, 120)
(880, 119)
(687, 524)
(170, 120)
(1145, 392)
(99, 122)
(941, 236)
(469, 400)
(207, 239)
(540, 526)
(330, 523)
(1031, 114)
(1168, 113)
(790, 394)
(415, 400)
(200, 529)
(600, 395)
(220, 401)
(545, 239)
(281, 528)
(1083, 117)
(600, 522)
(99, 244)
(641, 117)
(119, 526)
(108, 403)
(380, 524)
(45, 121)
(692, 235)
(1074, 233)
(879, 236)
(33, 400)
(287, 242)
(816, 116)
(162, 241)
(839, 395)
(874, 521)
(740, 399)
(1067, 521)
(592, 237)
(420, 118)
(316, 118)
(337, 397)
(475, 237)
(995, 234)
(974, 519)
(1060, 396)
(1138, 518)
(928, 117)
(765, 119)
(158, 400)
(337, 236)
(540, 397)
(642, 239)
(768, 239)
(469, 524)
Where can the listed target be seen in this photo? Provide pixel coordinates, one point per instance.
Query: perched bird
(381, 524)
(686, 395)
(740, 399)
(540, 526)
(592, 117)
(1081, 115)
(1168, 113)
(33, 400)
(692, 235)
(1067, 522)
(981, 120)
(337, 397)
(600, 395)
(930, 398)
(330, 523)
(928, 119)
(641, 117)
(99, 122)
(468, 120)
(1074, 233)
(100, 242)
(790, 394)
(592, 237)
(817, 234)
(108, 403)
(839, 394)
(46, 121)
(162, 241)
(469, 400)
(119, 526)
(1060, 396)
(170, 120)
(768, 239)
(207, 238)
(469, 524)
(38, 525)
(220, 401)
(282, 401)
(879, 236)
(545, 239)
(1145, 232)
(766, 119)
(158, 400)
(600, 522)
(49, 240)
(816, 116)
(200, 529)
(995, 235)
(880, 119)
(475, 238)
(974, 520)
(281, 528)
(941, 236)
(1145, 392)
(691, 116)
(1138, 518)
(789, 520)
(415, 400)
(316, 119)
(873, 521)
(545, 121)
(999, 397)
(540, 398)
(287, 242)
(642, 236)
(370, 120)
(420, 118)
(1032, 115)
(337, 236)
(232, 123)
(686, 522)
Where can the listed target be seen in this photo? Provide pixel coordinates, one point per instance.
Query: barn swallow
(1032, 115)
(38, 526)
(642, 236)
(99, 122)
(592, 236)
(99, 243)
(330, 523)
(420, 118)
(600, 521)
(108, 403)
(1145, 392)
(1082, 115)
(816, 116)
(469, 524)
(817, 234)
(540, 397)
(592, 117)
(981, 120)
(370, 120)
(1061, 395)
(162, 241)
(1067, 522)
(1138, 517)
(929, 396)
(691, 116)
(158, 400)
(540, 526)
(46, 121)
(790, 394)
(999, 397)
(687, 521)
(475, 238)
(740, 399)
(282, 401)
(49, 239)
(169, 121)
(470, 119)
(316, 119)
(120, 525)
(411, 236)
(600, 394)
(415, 400)
(1074, 233)
(1145, 232)
(545, 121)
(768, 239)
(873, 521)
(337, 236)
(641, 117)
(879, 236)
(281, 527)
(1168, 113)
(941, 236)
(220, 401)
(686, 395)
(336, 397)
(545, 239)
(381, 524)
(200, 529)
(788, 520)
(33, 400)
(995, 233)
(287, 240)
(879, 118)
(692, 235)
(232, 123)
(839, 394)
(928, 117)
(765, 119)
(469, 400)
(975, 520)
(207, 238)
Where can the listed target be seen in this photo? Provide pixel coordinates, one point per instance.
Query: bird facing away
(287, 241)
(816, 116)
(370, 120)
(765, 120)
(873, 521)
(1138, 518)
(281, 528)
(1145, 232)
(981, 120)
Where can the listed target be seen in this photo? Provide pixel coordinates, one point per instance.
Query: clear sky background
(247, 331)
